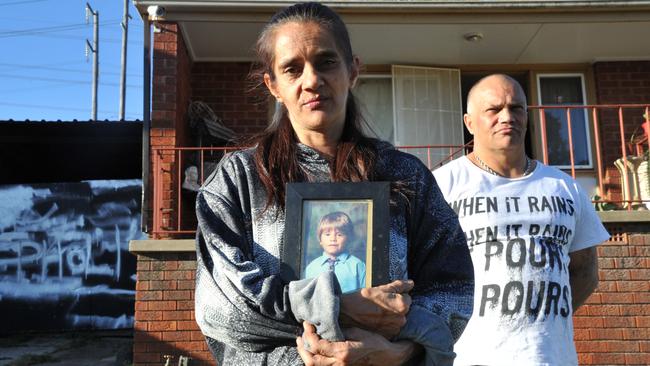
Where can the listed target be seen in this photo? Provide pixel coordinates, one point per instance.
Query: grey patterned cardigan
(251, 317)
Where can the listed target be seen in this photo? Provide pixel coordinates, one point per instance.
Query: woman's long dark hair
(275, 156)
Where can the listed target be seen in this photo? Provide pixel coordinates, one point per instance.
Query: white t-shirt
(520, 232)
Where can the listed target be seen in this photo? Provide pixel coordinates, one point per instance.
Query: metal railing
(630, 142)
(175, 183)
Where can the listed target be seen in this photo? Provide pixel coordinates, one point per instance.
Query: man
(532, 234)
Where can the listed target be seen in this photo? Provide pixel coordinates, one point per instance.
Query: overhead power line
(59, 28)
(60, 69)
(54, 80)
(21, 2)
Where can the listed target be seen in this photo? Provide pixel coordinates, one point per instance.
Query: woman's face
(311, 78)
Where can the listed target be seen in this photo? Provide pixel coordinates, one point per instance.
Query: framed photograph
(342, 227)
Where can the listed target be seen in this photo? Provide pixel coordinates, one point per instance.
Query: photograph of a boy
(335, 232)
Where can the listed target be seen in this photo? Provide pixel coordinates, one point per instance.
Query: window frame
(581, 75)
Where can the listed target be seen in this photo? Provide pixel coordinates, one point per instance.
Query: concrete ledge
(163, 245)
(624, 216)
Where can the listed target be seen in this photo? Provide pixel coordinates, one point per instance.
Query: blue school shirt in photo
(350, 271)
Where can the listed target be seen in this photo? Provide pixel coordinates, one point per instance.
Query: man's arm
(583, 272)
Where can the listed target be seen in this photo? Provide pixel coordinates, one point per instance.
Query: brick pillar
(625, 82)
(613, 327)
(164, 311)
(171, 92)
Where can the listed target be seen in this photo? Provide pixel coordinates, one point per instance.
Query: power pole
(95, 50)
(125, 35)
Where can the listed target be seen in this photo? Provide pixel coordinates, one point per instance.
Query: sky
(44, 71)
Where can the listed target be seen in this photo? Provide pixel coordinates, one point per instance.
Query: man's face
(497, 115)
(333, 241)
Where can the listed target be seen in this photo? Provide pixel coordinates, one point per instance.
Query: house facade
(585, 67)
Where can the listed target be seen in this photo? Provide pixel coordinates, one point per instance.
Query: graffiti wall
(64, 260)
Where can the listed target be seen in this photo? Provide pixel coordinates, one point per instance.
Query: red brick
(581, 335)
(622, 346)
(640, 274)
(197, 336)
(141, 305)
(148, 295)
(143, 265)
(187, 325)
(179, 275)
(162, 325)
(630, 262)
(148, 315)
(614, 274)
(635, 310)
(177, 315)
(140, 325)
(162, 305)
(594, 298)
(587, 322)
(600, 310)
(162, 285)
(142, 285)
(618, 298)
(640, 334)
(177, 336)
(606, 263)
(642, 298)
(186, 284)
(585, 359)
(608, 358)
(644, 346)
(187, 265)
(637, 359)
(150, 275)
(607, 286)
(185, 305)
(633, 286)
(177, 295)
(619, 322)
(590, 346)
(613, 251)
(642, 321)
(605, 334)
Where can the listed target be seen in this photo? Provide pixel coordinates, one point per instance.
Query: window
(565, 89)
(375, 95)
(428, 111)
(413, 108)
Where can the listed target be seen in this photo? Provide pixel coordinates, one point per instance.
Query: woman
(247, 313)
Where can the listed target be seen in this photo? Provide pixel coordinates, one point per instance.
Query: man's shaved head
(490, 81)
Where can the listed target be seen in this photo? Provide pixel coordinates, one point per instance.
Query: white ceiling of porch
(443, 44)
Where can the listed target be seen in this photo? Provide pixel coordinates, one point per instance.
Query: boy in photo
(335, 231)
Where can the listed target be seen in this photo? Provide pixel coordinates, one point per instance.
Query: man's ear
(270, 85)
(468, 123)
(354, 71)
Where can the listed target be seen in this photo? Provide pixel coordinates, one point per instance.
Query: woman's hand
(380, 309)
(362, 348)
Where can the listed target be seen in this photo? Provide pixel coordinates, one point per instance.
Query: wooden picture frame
(357, 213)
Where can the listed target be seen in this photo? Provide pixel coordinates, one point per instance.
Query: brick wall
(612, 328)
(625, 82)
(225, 88)
(164, 311)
